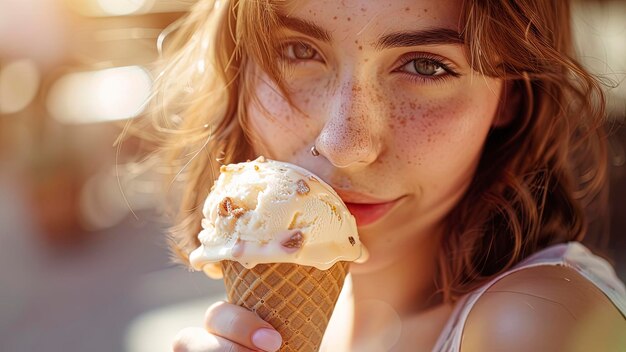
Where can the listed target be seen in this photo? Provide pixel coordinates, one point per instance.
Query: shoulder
(544, 308)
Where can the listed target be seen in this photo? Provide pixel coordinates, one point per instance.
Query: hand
(231, 328)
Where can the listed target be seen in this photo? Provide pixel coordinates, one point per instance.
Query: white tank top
(572, 254)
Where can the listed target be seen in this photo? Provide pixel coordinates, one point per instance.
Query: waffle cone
(296, 300)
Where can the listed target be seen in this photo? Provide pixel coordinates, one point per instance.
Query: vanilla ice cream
(265, 211)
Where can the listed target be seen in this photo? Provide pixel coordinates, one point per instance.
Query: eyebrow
(430, 36)
(305, 27)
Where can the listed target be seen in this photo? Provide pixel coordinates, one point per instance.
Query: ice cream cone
(296, 300)
(282, 239)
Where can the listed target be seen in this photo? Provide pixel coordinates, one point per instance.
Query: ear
(510, 104)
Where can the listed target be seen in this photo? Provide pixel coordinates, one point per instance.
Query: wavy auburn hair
(539, 180)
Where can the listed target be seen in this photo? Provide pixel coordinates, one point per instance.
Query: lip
(366, 209)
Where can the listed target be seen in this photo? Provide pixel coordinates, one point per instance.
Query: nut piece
(226, 206)
(238, 212)
(295, 241)
(352, 241)
(302, 187)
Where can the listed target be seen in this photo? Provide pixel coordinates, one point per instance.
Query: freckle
(335, 17)
(356, 42)
(363, 9)
(366, 60)
(360, 47)
(425, 10)
(349, 19)
(307, 100)
(407, 9)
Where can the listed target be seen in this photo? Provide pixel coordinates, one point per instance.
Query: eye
(425, 67)
(300, 51)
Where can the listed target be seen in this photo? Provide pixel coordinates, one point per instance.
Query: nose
(351, 134)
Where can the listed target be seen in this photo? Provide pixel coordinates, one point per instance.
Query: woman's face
(385, 93)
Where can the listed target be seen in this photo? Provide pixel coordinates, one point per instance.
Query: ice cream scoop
(266, 211)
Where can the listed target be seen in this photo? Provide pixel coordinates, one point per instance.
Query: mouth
(367, 210)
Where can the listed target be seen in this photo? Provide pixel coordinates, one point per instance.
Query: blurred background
(80, 271)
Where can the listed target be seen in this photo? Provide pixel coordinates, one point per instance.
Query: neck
(381, 302)
(407, 283)
(403, 287)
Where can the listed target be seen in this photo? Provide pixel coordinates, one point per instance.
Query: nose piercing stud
(314, 151)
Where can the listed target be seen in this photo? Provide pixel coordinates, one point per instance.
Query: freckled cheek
(422, 131)
(417, 124)
(312, 100)
(282, 129)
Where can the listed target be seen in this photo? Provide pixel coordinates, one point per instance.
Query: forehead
(369, 18)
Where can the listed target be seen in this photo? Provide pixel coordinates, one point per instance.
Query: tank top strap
(572, 254)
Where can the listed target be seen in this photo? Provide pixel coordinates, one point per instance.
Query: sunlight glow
(98, 96)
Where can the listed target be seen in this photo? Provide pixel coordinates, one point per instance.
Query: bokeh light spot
(99, 96)
(19, 83)
(121, 7)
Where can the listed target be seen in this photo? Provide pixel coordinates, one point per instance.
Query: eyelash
(417, 78)
(287, 45)
(434, 59)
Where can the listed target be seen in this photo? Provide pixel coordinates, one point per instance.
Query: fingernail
(267, 339)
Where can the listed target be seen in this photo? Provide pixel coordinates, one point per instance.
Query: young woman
(463, 136)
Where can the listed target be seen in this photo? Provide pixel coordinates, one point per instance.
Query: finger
(242, 326)
(200, 340)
